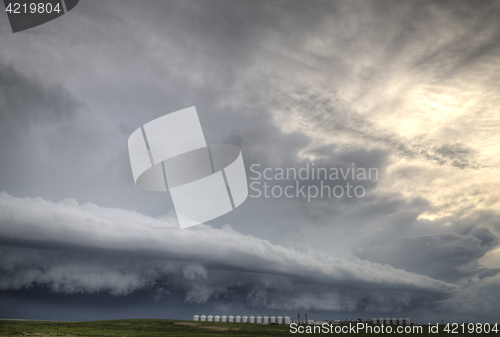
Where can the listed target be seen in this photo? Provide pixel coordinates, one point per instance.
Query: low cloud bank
(86, 248)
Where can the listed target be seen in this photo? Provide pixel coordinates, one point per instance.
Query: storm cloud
(205, 261)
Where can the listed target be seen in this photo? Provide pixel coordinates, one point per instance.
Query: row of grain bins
(243, 319)
(286, 320)
(391, 321)
(379, 321)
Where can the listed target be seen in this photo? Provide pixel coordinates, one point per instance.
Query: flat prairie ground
(162, 327)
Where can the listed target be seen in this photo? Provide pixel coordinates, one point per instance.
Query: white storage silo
(217, 318)
(272, 320)
(244, 319)
(394, 321)
(251, 319)
(203, 318)
(237, 319)
(279, 320)
(400, 321)
(265, 320)
(374, 321)
(230, 319)
(258, 320)
(210, 318)
(380, 321)
(387, 321)
(286, 320)
(407, 321)
(223, 319)
(196, 318)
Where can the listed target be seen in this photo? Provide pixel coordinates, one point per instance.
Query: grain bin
(203, 318)
(196, 318)
(244, 319)
(380, 321)
(272, 320)
(237, 319)
(223, 319)
(258, 320)
(217, 318)
(279, 320)
(266, 320)
(387, 321)
(210, 318)
(251, 319)
(394, 321)
(374, 321)
(407, 321)
(230, 319)
(286, 320)
(400, 321)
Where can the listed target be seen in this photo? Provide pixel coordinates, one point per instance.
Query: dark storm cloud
(118, 251)
(166, 280)
(37, 120)
(447, 256)
(27, 103)
(54, 146)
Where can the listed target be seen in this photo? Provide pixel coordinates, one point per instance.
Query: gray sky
(409, 88)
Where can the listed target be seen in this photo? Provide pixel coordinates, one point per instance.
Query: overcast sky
(410, 88)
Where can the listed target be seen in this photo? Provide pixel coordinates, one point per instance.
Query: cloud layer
(118, 251)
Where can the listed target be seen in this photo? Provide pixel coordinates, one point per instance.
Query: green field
(155, 327)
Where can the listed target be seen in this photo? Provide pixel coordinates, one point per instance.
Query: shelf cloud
(86, 248)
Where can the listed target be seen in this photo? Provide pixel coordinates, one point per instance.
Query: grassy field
(155, 327)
